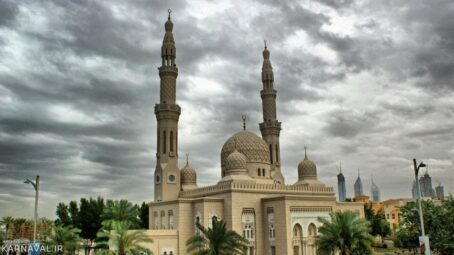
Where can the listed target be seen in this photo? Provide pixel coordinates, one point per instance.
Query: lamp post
(423, 235)
(36, 186)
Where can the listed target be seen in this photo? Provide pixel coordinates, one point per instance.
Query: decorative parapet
(167, 111)
(257, 187)
(270, 124)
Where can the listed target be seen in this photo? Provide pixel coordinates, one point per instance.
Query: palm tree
(65, 237)
(121, 211)
(217, 240)
(7, 221)
(346, 233)
(121, 241)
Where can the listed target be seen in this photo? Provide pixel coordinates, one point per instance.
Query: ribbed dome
(235, 160)
(188, 174)
(307, 169)
(247, 143)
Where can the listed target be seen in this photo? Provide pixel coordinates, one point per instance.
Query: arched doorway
(312, 233)
(297, 240)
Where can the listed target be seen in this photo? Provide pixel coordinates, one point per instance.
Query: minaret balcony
(270, 124)
(168, 70)
(167, 111)
(268, 92)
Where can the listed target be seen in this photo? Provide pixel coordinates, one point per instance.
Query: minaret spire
(270, 127)
(244, 121)
(167, 173)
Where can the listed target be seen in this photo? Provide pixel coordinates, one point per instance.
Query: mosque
(277, 216)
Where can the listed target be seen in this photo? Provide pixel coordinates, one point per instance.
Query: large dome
(249, 144)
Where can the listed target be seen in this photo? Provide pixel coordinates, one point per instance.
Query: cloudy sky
(368, 83)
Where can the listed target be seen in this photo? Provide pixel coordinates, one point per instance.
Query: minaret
(270, 127)
(167, 173)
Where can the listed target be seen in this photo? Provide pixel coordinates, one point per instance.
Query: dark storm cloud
(348, 124)
(78, 84)
(8, 12)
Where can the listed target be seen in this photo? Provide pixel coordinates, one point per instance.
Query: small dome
(235, 160)
(188, 174)
(307, 169)
(249, 144)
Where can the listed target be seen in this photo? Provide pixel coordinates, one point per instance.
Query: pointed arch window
(271, 153)
(164, 142)
(159, 141)
(277, 153)
(171, 141)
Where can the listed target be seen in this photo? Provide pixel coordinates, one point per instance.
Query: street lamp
(36, 186)
(423, 235)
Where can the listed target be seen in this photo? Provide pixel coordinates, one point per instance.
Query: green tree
(144, 215)
(7, 221)
(74, 214)
(344, 232)
(438, 225)
(217, 240)
(90, 217)
(65, 237)
(120, 241)
(442, 231)
(378, 224)
(19, 225)
(62, 215)
(120, 211)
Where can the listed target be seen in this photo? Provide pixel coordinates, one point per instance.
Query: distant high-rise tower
(440, 191)
(414, 191)
(374, 191)
(425, 185)
(341, 185)
(358, 186)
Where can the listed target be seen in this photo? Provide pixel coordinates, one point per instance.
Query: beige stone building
(277, 216)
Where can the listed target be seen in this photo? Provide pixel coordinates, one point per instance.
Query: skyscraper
(374, 191)
(358, 187)
(341, 186)
(440, 191)
(425, 184)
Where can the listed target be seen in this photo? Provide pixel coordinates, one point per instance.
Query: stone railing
(260, 187)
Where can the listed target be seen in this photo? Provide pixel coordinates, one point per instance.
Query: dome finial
(305, 152)
(244, 121)
(187, 158)
(170, 11)
(265, 43)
